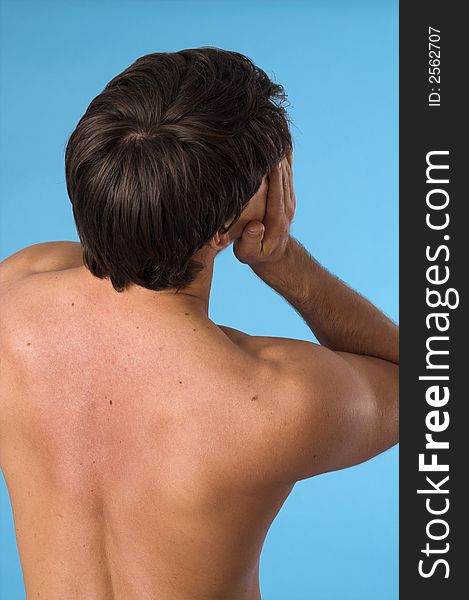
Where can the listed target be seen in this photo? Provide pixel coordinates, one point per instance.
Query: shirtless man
(146, 449)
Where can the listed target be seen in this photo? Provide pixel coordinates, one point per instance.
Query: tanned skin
(147, 449)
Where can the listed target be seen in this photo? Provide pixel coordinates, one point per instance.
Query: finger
(249, 246)
(274, 197)
(274, 203)
(290, 199)
(286, 190)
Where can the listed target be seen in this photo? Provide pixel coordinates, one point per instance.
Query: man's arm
(338, 402)
(340, 318)
(46, 256)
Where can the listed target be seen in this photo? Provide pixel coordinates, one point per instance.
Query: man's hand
(264, 243)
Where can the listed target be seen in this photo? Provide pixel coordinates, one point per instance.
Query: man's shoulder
(280, 351)
(297, 414)
(294, 367)
(24, 284)
(42, 257)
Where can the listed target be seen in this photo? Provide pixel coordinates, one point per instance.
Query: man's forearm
(339, 317)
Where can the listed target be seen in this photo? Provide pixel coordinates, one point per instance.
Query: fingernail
(254, 232)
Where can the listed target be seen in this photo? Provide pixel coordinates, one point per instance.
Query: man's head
(168, 156)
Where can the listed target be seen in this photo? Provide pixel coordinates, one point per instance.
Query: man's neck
(196, 294)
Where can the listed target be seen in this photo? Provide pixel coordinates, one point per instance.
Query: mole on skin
(254, 397)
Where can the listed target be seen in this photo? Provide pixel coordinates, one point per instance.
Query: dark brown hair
(172, 148)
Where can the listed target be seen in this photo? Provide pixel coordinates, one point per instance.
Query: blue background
(336, 536)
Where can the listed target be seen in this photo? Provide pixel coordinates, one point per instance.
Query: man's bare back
(146, 449)
(135, 441)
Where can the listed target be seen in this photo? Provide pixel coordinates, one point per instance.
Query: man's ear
(220, 241)
(253, 211)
